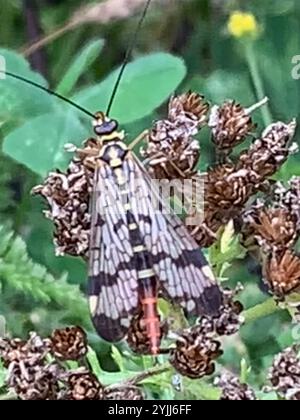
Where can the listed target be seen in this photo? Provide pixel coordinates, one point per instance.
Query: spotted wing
(183, 271)
(113, 286)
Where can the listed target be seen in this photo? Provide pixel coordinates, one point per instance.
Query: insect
(137, 250)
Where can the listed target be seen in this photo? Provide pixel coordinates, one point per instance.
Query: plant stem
(157, 370)
(257, 81)
(261, 310)
(28, 50)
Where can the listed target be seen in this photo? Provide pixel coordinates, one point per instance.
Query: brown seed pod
(233, 389)
(137, 336)
(172, 152)
(83, 386)
(273, 228)
(229, 320)
(230, 124)
(195, 352)
(284, 374)
(68, 196)
(267, 154)
(226, 191)
(288, 197)
(281, 272)
(193, 105)
(17, 350)
(69, 343)
(34, 382)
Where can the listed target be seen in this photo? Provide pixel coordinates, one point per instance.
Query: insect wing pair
(139, 248)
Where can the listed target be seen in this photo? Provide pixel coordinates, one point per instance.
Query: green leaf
(118, 358)
(18, 99)
(80, 64)
(38, 144)
(245, 371)
(147, 83)
(225, 250)
(227, 237)
(20, 274)
(94, 362)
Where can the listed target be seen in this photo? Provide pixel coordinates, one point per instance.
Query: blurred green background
(184, 44)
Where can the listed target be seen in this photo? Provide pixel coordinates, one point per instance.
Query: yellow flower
(242, 24)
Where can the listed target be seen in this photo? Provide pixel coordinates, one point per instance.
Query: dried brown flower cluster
(229, 320)
(230, 124)
(36, 371)
(172, 150)
(82, 386)
(68, 196)
(229, 186)
(233, 390)
(69, 343)
(284, 374)
(272, 231)
(30, 375)
(198, 347)
(196, 350)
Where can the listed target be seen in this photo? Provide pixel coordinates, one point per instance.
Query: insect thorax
(113, 153)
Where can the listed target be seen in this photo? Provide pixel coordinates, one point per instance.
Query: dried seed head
(195, 351)
(289, 197)
(284, 374)
(281, 271)
(268, 153)
(233, 389)
(226, 190)
(172, 150)
(273, 228)
(230, 125)
(229, 320)
(205, 234)
(29, 375)
(128, 392)
(34, 381)
(12, 350)
(69, 343)
(192, 104)
(84, 386)
(137, 336)
(229, 186)
(17, 350)
(68, 196)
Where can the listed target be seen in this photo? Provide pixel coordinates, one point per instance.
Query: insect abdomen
(151, 321)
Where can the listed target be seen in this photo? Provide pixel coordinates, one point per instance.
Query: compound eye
(107, 127)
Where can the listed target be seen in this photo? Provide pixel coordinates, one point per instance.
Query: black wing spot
(211, 299)
(109, 329)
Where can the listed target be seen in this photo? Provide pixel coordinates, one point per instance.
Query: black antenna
(127, 56)
(51, 92)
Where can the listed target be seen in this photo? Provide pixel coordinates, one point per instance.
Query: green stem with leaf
(257, 80)
(268, 307)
